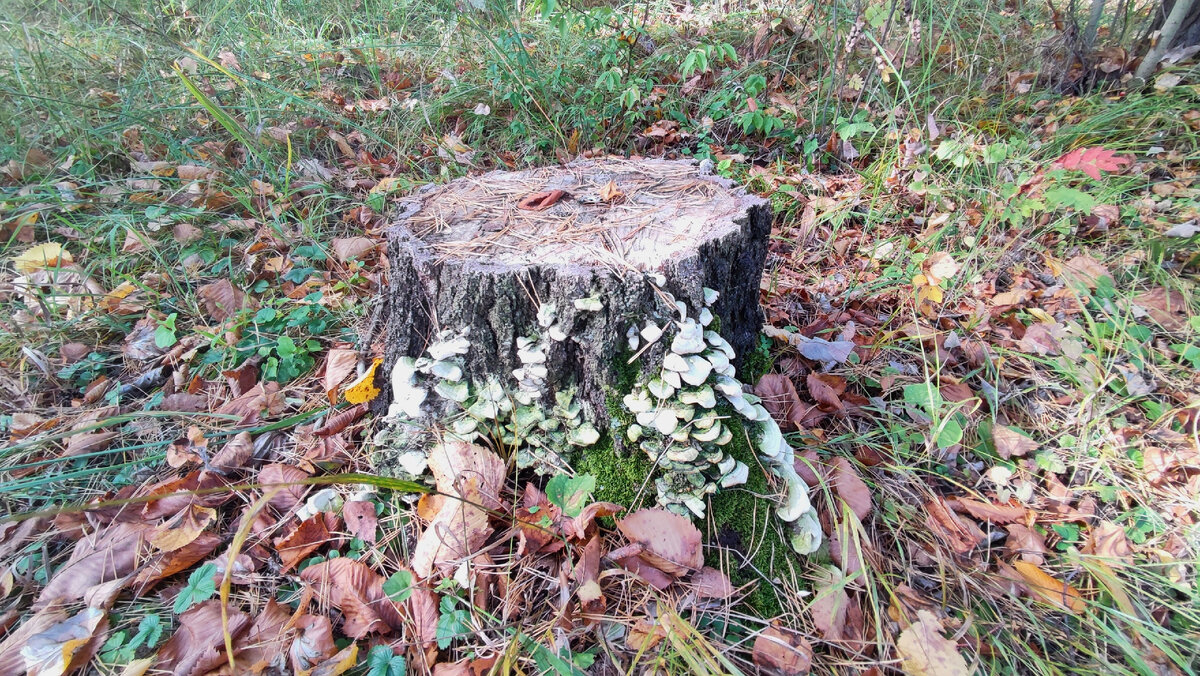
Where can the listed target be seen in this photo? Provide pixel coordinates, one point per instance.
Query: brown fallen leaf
(183, 528)
(222, 300)
(187, 450)
(235, 453)
(263, 645)
(924, 651)
(540, 201)
(1026, 543)
(79, 444)
(1085, 270)
(339, 363)
(850, 488)
(307, 537)
(990, 511)
(1009, 442)
(112, 554)
(341, 421)
(313, 644)
(830, 604)
(262, 401)
(1166, 307)
(162, 565)
(66, 645)
(356, 590)
(1049, 588)
(286, 478)
(827, 391)
(780, 398)
(710, 583)
(669, 542)
(345, 660)
(361, 519)
(782, 652)
(1039, 339)
(1107, 539)
(346, 249)
(586, 575)
(174, 495)
(470, 477)
(961, 535)
(198, 645)
(11, 661)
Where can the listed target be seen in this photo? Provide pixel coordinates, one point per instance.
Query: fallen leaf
(1039, 340)
(850, 488)
(198, 645)
(830, 603)
(65, 646)
(48, 255)
(235, 453)
(307, 537)
(670, 542)
(586, 575)
(313, 645)
(286, 478)
(961, 535)
(1026, 543)
(826, 390)
(361, 519)
(1049, 589)
(363, 389)
(540, 201)
(1092, 161)
(112, 554)
(781, 651)
(180, 530)
(264, 400)
(1108, 540)
(1167, 307)
(1009, 442)
(11, 661)
(455, 533)
(610, 192)
(710, 583)
(924, 651)
(222, 300)
(266, 639)
(1085, 270)
(990, 511)
(339, 363)
(939, 267)
(353, 248)
(356, 590)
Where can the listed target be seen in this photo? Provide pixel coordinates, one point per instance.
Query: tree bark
(1178, 26)
(464, 257)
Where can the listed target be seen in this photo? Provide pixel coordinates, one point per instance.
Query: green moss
(618, 477)
(758, 363)
(746, 522)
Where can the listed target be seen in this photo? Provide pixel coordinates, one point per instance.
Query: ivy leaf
(200, 587)
(399, 586)
(570, 494)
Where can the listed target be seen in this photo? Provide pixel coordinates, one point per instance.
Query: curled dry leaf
(189, 449)
(1050, 589)
(339, 363)
(65, 646)
(262, 401)
(470, 477)
(340, 421)
(586, 574)
(346, 249)
(112, 554)
(990, 511)
(959, 534)
(165, 564)
(1108, 540)
(669, 542)
(782, 652)
(939, 267)
(264, 643)
(11, 661)
(222, 300)
(198, 645)
(234, 454)
(826, 390)
(1026, 543)
(781, 400)
(1168, 308)
(1009, 442)
(313, 645)
(91, 442)
(540, 201)
(183, 528)
(305, 538)
(925, 652)
(830, 604)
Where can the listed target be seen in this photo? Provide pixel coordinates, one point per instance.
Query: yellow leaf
(924, 651)
(1049, 588)
(920, 280)
(48, 255)
(363, 390)
(932, 294)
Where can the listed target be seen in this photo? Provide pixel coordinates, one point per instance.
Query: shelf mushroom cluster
(677, 424)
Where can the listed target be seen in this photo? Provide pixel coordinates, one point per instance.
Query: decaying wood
(465, 255)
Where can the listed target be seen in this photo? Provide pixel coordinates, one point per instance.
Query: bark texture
(498, 299)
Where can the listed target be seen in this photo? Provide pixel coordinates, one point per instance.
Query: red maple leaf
(1092, 161)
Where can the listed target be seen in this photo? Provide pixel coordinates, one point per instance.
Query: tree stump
(602, 243)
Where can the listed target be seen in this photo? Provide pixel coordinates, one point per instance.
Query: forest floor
(192, 202)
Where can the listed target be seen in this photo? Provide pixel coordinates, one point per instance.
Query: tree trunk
(1186, 34)
(622, 235)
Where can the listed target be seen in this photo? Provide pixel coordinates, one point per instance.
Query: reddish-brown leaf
(234, 454)
(198, 645)
(670, 542)
(990, 511)
(286, 478)
(222, 300)
(826, 390)
(586, 574)
(782, 652)
(959, 534)
(1107, 539)
(339, 363)
(306, 538)
(1009, 442)
(851, 488)
(711, 583)
(356, 590)
(1027, 543)
(361, 519)
(108, 556)
(340, 421)
(313, 645)
(1092, 161)
(540, 201)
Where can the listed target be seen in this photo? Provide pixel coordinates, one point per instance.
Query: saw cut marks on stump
(606, 244)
